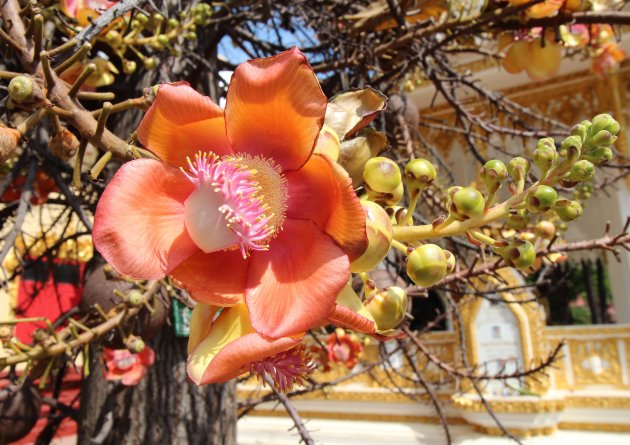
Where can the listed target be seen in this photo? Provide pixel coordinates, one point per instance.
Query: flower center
(285, 369)
(239, 202)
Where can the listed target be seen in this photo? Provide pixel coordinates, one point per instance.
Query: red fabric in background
(48, 290)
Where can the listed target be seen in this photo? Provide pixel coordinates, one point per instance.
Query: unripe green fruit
(572, 211)
(581, 171)
(518, 219)
(21, 89)
(382, 175)
(379, 234)
(518, 168)
(541, 199)
(173, 23)
(604, 122)
(419, 173)
(467, 202)
(427, 265)
(388, 307)
(518, 253)
(493, 173)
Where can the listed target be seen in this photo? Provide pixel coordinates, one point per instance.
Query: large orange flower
(239, 208)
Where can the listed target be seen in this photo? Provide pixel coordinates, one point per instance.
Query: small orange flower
(344, 349)
(82, 10)
(240, 208)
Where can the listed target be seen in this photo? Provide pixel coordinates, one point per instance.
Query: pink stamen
(244, 211)
(285, 369)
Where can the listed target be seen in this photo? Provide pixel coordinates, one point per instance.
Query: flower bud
(134, 298)
(134, 344)
(581, 130)
(142, 19)
(581, 171)
(466, 203)
(382, 175)
(9, 139)
(163, 39)
(114, 38)
(545, 229)
(419, 173)
(604, 122)
(24, 89)
(450, 261)
(396, 214)
(129, 66)
(604, 137)
(518, 168)
(493, 174)
(379, 233)
(570, 211)
(517, 253)
(427, 265)
(518, 219)
(64, 144)
(598, 155)
(388, 307)
(545, 154)
(150, 63)
(328, 143)
(541, 199)
(570, 147)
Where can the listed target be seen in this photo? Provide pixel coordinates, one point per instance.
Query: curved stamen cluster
(286, 368)
(243, 208)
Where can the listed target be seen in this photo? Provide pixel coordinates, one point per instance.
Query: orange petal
(180, 122)
(213, 278)
(293, 286)
(349, 312)
(322, 192)
(230, 346)
(275, 108)
(347, 222)
(139, 222)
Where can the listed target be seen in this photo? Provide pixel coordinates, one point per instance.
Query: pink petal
(293, 286)
(134, 375)
(275, 108)
(139, 222)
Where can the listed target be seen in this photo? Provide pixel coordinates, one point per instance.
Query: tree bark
(164, 408)
(588, 285)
